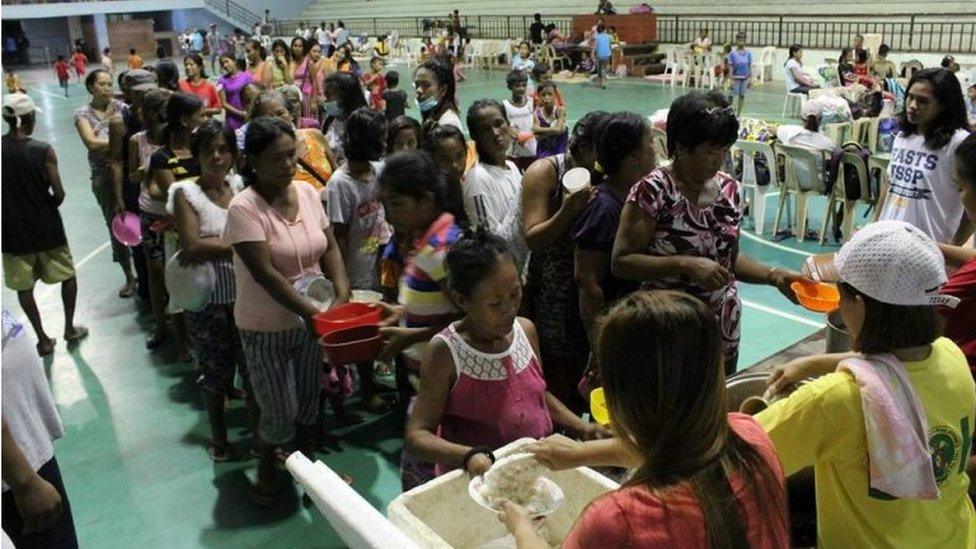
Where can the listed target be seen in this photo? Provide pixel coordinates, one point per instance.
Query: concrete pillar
(101, 32)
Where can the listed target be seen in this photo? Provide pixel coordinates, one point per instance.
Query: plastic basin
(127, 229)
(352, 345)
(817, 296)
(347, 315)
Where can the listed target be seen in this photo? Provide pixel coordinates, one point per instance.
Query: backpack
(851, 178)
(871, 103)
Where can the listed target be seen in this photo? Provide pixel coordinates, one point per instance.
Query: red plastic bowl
(352, 345)
(347, 315)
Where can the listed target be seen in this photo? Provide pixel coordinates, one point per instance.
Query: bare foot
(128, 290)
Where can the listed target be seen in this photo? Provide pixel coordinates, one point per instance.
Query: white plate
(477, 488)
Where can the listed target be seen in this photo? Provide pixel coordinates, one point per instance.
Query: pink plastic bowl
(127, 229)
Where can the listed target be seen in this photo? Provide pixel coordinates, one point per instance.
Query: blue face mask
(427, 104)
(331, 108)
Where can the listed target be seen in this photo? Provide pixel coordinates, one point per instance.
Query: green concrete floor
(134, 454)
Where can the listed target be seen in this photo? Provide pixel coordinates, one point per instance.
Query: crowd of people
(506, 297)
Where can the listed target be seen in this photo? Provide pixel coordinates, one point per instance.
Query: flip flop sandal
(127, 291)
(80, 333)
(46, 349)
(219, 454)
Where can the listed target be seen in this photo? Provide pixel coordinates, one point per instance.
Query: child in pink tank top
(481, 381)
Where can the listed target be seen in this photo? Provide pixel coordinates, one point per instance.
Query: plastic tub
(817, 296)
(441, 514)
(127, 229)
(347, 315)
(352, 345)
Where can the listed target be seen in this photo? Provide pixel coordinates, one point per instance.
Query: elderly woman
(315, 159)
(280, 235)
(680, 226)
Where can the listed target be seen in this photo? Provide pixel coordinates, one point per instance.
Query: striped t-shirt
(423, 300)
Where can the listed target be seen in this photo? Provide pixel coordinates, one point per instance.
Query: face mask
(427, 104)
(331, 108)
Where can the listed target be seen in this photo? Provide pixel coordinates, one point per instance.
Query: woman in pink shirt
(280, 234)
(705, 478)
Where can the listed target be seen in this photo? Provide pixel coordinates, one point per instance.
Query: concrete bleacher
(332, 9)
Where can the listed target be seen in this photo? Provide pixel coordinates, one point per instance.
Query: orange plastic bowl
(347, 315)
(817, 296)
(352, 345)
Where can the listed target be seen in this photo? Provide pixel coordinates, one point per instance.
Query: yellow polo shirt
(822, 425)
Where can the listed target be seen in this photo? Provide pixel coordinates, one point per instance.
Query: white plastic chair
(472, 51)
(801, 183)
(683, 61)
(706, 71)
(670, 64)
(793, 103)
(762, 70)
(860, 131)
(840, 132)
(749, 180)
(838, 195)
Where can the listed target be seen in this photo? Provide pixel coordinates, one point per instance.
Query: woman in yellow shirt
(892, 318)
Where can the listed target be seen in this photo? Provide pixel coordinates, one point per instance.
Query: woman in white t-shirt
(808, 135)
(797, 81)
(495, 182)
(921, 190)
(437, 93)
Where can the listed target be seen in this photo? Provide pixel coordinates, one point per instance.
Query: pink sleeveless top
(497, 398)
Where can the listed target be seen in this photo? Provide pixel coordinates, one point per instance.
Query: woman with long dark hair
(437, 93)
(704, 477)
(281, 67)
(549, 213)
(343, 95)
(196, 83)
(797, 81)
(170, 163)
(922, 191)
(280, 235)
(256, 63)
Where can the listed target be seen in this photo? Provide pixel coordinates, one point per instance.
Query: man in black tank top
(34, 245)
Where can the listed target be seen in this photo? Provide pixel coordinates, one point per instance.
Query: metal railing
(954, 33)
(942, 33)
(235, 12)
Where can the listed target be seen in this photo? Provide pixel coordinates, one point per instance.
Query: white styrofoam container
(441, 514)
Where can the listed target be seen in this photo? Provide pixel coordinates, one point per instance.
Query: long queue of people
(507, 298)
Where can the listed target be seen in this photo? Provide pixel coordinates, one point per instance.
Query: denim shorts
(740, 86)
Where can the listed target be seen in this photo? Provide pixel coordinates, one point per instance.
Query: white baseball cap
(17, 105)
(895, 263)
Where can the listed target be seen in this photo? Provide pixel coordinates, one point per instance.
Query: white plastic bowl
(189, 287)
(576, 179)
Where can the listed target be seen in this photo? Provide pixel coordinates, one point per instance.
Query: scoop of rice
(514, 478)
